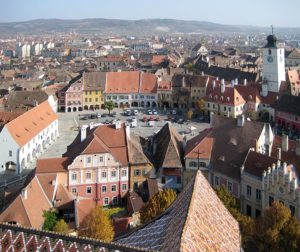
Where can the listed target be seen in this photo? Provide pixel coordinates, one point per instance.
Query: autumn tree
(61, 227)
(157, 204)
(50, 219)
(200, 104)
(276, 230)
(97, 225)
(109, 105)
(245, 222)
(189, 115)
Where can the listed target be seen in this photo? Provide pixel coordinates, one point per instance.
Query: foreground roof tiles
(196, 221)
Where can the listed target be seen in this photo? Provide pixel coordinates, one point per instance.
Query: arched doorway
(85, 107)
(80, 109)
(97, 107)
(62, 108)
(148, 104)
(69, 109)
(74, 109)
(91, 107)
(142, 104)
(153, 104)
(134, 104)
(102, 106)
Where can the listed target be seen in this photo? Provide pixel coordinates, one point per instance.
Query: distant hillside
(128, 27)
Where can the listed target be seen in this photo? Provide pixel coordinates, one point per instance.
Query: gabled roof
(135, 151)
(196, 221)
(122, 82)
(26, 209)
(148, 83)
(94, 80)
(200, 146)
(28, 125)
(289, 104)
(52, 165)
(168, 148)
(232, 143)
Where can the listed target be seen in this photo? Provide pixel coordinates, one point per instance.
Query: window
(124, 173)
(74, 177)
(248, 191)
(124, 187)
(178, 178)
(105, 201)
(208, 105)
(113, 174)
(249, 210)
(258, 194)
(224, 108)
(193, 164)
(89, 190)
(257, 213)
(292, 208)
(115, 200)
(104, 189)
(90, 99)
(101, 159)
(217, 182)
(88, 175)
(113, 188)
(271, 199)
(10, 153)
(86, 99)
(229, 186)
(202, 164)
(137, 172)
(163, 180)
(88, 159)
(74, 190)
(229, 109)
(103, 174)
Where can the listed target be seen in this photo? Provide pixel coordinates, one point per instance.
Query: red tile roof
(122, 82)
(52, 165)
(148, 83)
(31, 123)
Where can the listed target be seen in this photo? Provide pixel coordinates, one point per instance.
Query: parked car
(135, 112)
(174, 112)
(151, 118)
(93, 116)
(84, 118)
(154, 112)
(145, 119)
(150, 112)
(98, 115)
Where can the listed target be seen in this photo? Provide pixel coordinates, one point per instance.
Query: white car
(98, 115)
(154, 112)
(174, 112)
(135, 112)
(149, 112)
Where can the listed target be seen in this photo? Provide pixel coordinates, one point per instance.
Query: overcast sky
(251, 12)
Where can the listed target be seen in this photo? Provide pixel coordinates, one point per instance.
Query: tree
(109, 105)
(189, 115)
(61, 227)
(200, 105)
(276, 230)
(50, 219)
(97, 225)
(157, 205)
(246, 223)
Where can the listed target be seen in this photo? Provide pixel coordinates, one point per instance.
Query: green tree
(246, 223)
(61, 227)
(157, 204)
(109, 105)
(50, 219)
(276, 230)
(97, 225)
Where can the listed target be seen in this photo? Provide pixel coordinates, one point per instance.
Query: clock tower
(273, 65)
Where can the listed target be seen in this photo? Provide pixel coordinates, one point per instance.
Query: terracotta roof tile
(31, 123)
(52, 165)
(122, 82)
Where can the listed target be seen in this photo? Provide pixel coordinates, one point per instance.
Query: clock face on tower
(270, 59)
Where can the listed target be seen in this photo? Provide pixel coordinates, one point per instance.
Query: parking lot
(70, 122)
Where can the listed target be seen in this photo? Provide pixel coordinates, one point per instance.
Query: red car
(145, 119)
(151, 118)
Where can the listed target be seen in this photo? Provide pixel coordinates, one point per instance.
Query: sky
(237, 12)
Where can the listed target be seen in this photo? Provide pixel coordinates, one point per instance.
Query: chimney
(245, 82)
(183, 82)
(118, 125)
(241, 121)
(24, 193)
(298, 147)
(279, 153)
(83, 132)
(285, 143)
(212, 119)
(214, 84)
(222, 86)
(127, 129)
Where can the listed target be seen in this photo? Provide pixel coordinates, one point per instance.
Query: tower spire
(272, 27)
